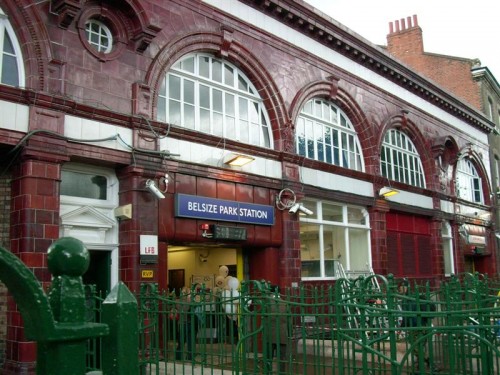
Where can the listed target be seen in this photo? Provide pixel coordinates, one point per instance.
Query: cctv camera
(305, 210)
(150, 185)
(294, 208)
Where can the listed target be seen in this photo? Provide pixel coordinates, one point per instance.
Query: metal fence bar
(453, 329)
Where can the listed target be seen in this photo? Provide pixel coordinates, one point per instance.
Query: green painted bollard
(119, 312)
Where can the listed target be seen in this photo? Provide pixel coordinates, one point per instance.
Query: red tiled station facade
(65, 78)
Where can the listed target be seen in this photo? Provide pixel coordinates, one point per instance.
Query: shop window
(210, 95)
(11, 67)
(400, 161)
(468, 182)
(447, 238)
(324, 133)
(335, 238)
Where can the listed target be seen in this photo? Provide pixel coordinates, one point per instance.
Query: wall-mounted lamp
(387, 192)
(301, 208)
(237, 160)
(151, 186)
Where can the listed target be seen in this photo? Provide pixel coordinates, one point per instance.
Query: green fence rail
(370, 325)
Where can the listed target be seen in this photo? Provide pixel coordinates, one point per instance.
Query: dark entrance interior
(99, 272)
(176, 280)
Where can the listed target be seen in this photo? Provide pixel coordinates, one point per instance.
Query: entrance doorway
(99, 272)
(200, 264)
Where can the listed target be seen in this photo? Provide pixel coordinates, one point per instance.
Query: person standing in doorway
(187, 326)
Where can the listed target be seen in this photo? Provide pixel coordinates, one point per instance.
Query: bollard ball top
(68, 256)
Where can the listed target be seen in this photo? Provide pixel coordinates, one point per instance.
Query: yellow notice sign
(147, 274)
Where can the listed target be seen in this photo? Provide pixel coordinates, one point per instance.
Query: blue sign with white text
(197, 207)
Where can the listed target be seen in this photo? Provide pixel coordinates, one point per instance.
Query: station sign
(196, 207)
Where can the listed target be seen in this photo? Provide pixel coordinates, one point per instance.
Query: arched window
(400, 161)
(468, 182)
(11, 68)
(210, 95)
(325, 133)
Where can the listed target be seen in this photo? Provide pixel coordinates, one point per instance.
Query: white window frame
(325, 133)
(6, 28)
(448, 254)
(103, 32)
(105, 207)
(468, 182)
(400, 161)
(234, 109)
(346, 259)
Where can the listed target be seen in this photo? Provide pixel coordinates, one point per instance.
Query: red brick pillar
(144, 221)
(437, 260)
(379, 236)
(34, 226)
(289, 260)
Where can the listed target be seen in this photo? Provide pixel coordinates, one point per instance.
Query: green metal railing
(352, 327)
(369, 325)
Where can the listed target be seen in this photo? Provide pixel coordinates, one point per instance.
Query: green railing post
(67, 260)
(119, 312)
(56, 323)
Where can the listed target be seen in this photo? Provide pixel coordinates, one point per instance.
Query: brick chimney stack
(405, 38)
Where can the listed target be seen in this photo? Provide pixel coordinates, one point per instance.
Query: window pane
(310, 250)
(228, 75)
(174, 87)
(162, 109)
(217, 125)
(229, 110)
(84, 185)
(189, 116)
(188, 91)
(358, 242)
(188, 64)
(204, 66)
(205, 121)
(204, 96)
(7, 44)
(10, 74)
(243, 108)
(242, 83)
(216, 70)
(174, 112)
(356, 216)
(217, 100)
(332, 213)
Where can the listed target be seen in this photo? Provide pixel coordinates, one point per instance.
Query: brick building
(119, 121)
(464, 78)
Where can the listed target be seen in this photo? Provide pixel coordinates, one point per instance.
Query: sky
(449, 27)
